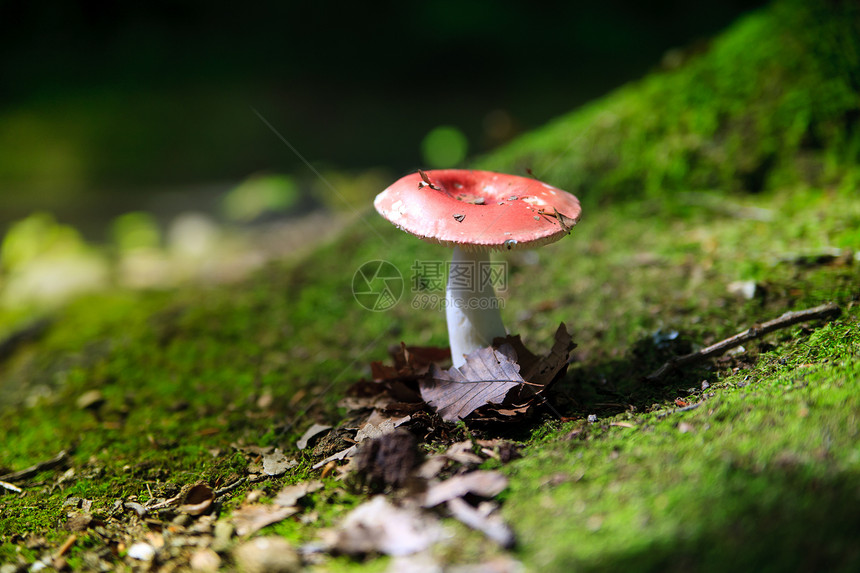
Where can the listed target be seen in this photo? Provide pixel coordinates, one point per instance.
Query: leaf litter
(392, 422)
(413, 399)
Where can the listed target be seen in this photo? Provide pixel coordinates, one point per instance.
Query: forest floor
(749, 461)
(158, 429)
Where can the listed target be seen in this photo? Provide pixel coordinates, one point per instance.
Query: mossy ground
(762, 476)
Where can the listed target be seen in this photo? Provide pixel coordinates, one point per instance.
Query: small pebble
(267, 555)
(223, 532)
(205, 560)
(705, 385)
(141, 551)
(74, 502)
(744, 289)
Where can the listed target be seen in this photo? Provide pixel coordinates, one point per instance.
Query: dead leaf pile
(501, 383)
(378, 448)
(496, 384)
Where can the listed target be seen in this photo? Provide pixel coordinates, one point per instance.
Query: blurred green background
(113, 107)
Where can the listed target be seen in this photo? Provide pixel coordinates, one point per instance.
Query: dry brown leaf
(388, 460)
(251, 518)
(342, 454)
(486, 378)
(482, 519)
(277, 463)
(431, 467)
(481, 483)
(542, 370)
(310, 434)
(79, 521)
(378, 425)
(291, 494)
(461, 452)
(377, 526)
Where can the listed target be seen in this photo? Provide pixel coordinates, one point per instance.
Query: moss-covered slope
(773, 101)
(763, 475)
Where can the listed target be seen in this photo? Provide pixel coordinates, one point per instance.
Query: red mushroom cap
(479, 209)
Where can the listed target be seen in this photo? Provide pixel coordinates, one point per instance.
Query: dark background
(118, 99)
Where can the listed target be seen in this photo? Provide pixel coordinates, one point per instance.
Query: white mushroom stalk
(471, 306)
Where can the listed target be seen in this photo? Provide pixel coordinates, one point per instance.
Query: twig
(10, 486)
(686, 408)
(21, 475)
(64, 548)
(755, 331)
(136, 507)
(229, 487)
(166, 503)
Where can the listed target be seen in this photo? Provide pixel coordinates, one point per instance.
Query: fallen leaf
(343, 454)
(251, 518)
(270, 554)
(79, 521)
(544, 369)
(482, 483)
(486, 378)
(431, 468)
(377, 526)
(461, 452)
(378, 425)
(277, 463)
(388, 460)
(311, 433)
(417, 359)
(535, 374)
(291, 494)
(487, 522)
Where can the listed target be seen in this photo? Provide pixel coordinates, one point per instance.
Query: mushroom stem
(471, 306)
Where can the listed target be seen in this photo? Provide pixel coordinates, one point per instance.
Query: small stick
(64, 548)
(229, 487)
(11, 486)
(166, 503)
(138, 509)
(756, 331)
(21, 475)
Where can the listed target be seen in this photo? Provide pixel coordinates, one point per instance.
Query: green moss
(771, 102)
(762, 475)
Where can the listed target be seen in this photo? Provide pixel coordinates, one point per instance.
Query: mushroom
(476, 212)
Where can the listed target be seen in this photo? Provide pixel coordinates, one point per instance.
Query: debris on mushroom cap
(479, 209)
